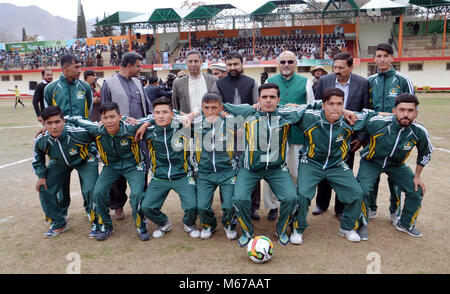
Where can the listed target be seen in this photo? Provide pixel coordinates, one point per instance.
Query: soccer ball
(260, 249)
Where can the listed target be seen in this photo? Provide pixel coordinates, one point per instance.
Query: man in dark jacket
(154, 91)
(38, 97)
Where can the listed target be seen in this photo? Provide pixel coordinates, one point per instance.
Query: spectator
(154, 91)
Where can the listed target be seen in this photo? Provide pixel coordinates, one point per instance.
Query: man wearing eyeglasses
(297, 90)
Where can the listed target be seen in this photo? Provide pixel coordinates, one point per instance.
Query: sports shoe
(192, 230)
(351, 235)
(144, 236)
(231, 235)
(206, 233)
(283, 239)
(273, 214)
(102, 236)
(161, 230)
(362, 232)
(372, 214)
(318, 210)
(296, 238)
(119, 214)
(413, 232)
(55, 232)
(243, 241)
(93, 234)
(394, 219)
(255, 215)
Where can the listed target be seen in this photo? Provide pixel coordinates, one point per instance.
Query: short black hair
(153, 79)
(68, 59)
(326, 95)
(344, 56)
(163, 101)
(51, 111)
(212, 97)
(385, 47)
(194, 52)
(130, 58)
(107, 106)
(88, 72)
(233, 55)
(44, 70)
(406, 98)
(269, 86)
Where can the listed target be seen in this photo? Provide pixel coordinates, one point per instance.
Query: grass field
(24, 249)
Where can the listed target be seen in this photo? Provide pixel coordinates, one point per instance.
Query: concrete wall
(371, 34)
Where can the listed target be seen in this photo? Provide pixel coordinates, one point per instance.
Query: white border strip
(442, 149)
(15, 163)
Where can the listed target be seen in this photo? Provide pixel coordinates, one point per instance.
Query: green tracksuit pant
(64, 195)
(135, 177)
(395, 197)
(207, 184)
(403, 177)
(341, 179)
(280, 181)
(157, 192)
(54, 212)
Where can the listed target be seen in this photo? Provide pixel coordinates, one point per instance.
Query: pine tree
(97, 31)
(24, 35)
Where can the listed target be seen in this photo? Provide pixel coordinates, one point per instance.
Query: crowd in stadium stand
(267, 48)
(90, 56)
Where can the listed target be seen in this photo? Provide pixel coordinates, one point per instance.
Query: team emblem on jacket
(124, 143)
(233, 180)
(340, 138)
(80, 95)
(178, 144)
(408, 146)
(191, 181)
(73, 151)
(393, 92)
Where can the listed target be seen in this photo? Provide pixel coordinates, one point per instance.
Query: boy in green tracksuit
(328, 139)
(74, 97)
(266, 135)
(216, 166)
(67, 148)
(384, 87)
(169, 164)
(392, 139)
(121, 154)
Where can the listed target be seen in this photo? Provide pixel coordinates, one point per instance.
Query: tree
(24, 35)
(97, 31)
(81, 23)
(192, 5)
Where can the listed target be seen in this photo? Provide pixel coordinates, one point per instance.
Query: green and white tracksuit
(264, 157)
(122, 156)
(390, 145)
(323, 157)
(171, 170)
(384, 87)
(69, 151)
(216, 166)
(74, 99)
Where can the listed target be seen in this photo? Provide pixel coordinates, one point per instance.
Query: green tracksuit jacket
(385, 86)
(74, 98)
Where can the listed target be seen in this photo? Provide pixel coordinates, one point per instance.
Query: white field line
(15, 163)
(22, 127)
(442, 149)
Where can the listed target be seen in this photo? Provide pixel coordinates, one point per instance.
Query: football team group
(230, 134)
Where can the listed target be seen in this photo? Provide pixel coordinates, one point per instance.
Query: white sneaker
(394, 219)
(296, 238)
(231, 235)
(352, 236)
(192, 230)
(161, 230)
(206, 233)
(372, 214)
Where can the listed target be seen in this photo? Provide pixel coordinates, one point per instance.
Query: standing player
(384, 86)
(67, 148)
(17, 94)
(216, 165)
(170, 167)
(122, 157)
(392, 139)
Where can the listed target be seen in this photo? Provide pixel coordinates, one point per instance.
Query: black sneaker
(144, 236)
(273, 214)
(102, 236)
(318, 210)
(255, 215)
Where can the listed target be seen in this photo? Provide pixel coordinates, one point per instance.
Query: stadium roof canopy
(118, 18)
(383, 7)
(218, 14)
(168, 15)
(282, 8)
(430, 3)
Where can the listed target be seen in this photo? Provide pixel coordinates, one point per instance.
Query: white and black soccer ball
(260, 249)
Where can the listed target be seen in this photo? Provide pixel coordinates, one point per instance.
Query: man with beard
(237, 88)
(392, 139)
(38, 97)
